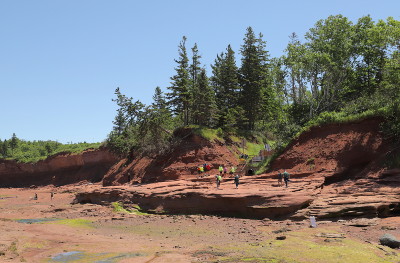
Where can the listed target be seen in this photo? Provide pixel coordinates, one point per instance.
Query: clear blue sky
(61, 60)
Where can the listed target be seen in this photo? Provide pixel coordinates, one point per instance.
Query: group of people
(223, 169)
(203, 168)
(218, 178)
(35, 197)
(285, 176)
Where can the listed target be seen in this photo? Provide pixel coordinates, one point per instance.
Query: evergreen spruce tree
(205, 108)
(119, 122)
(225, 83)
(13, 143)
(255, 90)
(4, 151)
(179, 97)
(194, 71)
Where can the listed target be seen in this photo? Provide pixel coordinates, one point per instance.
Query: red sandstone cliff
(336, 171)
(59, 169)
(179, 163)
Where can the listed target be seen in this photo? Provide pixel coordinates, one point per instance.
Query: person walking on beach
(219, 179)
(286, 178)
(236, 180)
(280, 176)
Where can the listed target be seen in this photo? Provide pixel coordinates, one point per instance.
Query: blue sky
(60, 61)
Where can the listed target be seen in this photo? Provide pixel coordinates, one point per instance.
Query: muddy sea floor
(54, 230)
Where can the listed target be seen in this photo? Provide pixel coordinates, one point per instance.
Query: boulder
(390, 241)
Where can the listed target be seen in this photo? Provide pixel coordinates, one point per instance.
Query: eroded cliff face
(59, 169)
(336, 172)
(180, 162)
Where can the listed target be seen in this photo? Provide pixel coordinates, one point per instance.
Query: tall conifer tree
(179, 97)
(225, 83)
(253, 77)
(204, 108)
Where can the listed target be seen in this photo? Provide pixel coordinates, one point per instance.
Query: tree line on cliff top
(33, 151)
(340, 69)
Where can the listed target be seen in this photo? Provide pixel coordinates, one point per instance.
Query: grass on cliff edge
(34, 151)
(251, 148)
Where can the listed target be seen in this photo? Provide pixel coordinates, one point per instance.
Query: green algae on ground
(304, 246)
(119, 208)
(77, 222)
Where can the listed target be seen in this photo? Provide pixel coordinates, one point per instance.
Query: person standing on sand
(221, 169)
(232, 171)
(236, 180)
(219, 179)
(280, 176)
(286, 178)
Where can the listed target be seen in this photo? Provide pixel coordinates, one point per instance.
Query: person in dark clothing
(236, 180)
(280, 176)
(286, 177)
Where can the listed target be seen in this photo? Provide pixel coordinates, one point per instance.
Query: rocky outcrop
(389, 240)
(59, 169)
(180, 162)
(194, 197)
(336, 172)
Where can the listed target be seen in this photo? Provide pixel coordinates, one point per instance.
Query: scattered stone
(282, 230)
(389, 241)
(324, 222)
(330, 235)
(280, 237)
(388, 228)
(362, 223)
(332, 240)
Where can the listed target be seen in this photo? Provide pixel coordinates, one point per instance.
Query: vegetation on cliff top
(342, 71)
(33, 151)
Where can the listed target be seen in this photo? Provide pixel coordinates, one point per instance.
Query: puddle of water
(7, 197)
(68, 256)
(79, 256)
(36, 220)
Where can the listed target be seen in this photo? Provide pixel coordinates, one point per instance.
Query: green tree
(204, 110)
(14, 143)
(179, 97)
(331, 51)
(119, 122)
(194, 72)
(4, 151)
(225, 82)
(370, 43)
(253, 79)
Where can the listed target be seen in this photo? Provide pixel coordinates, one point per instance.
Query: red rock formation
(179, 163)
(336, 171)
(59, 169)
